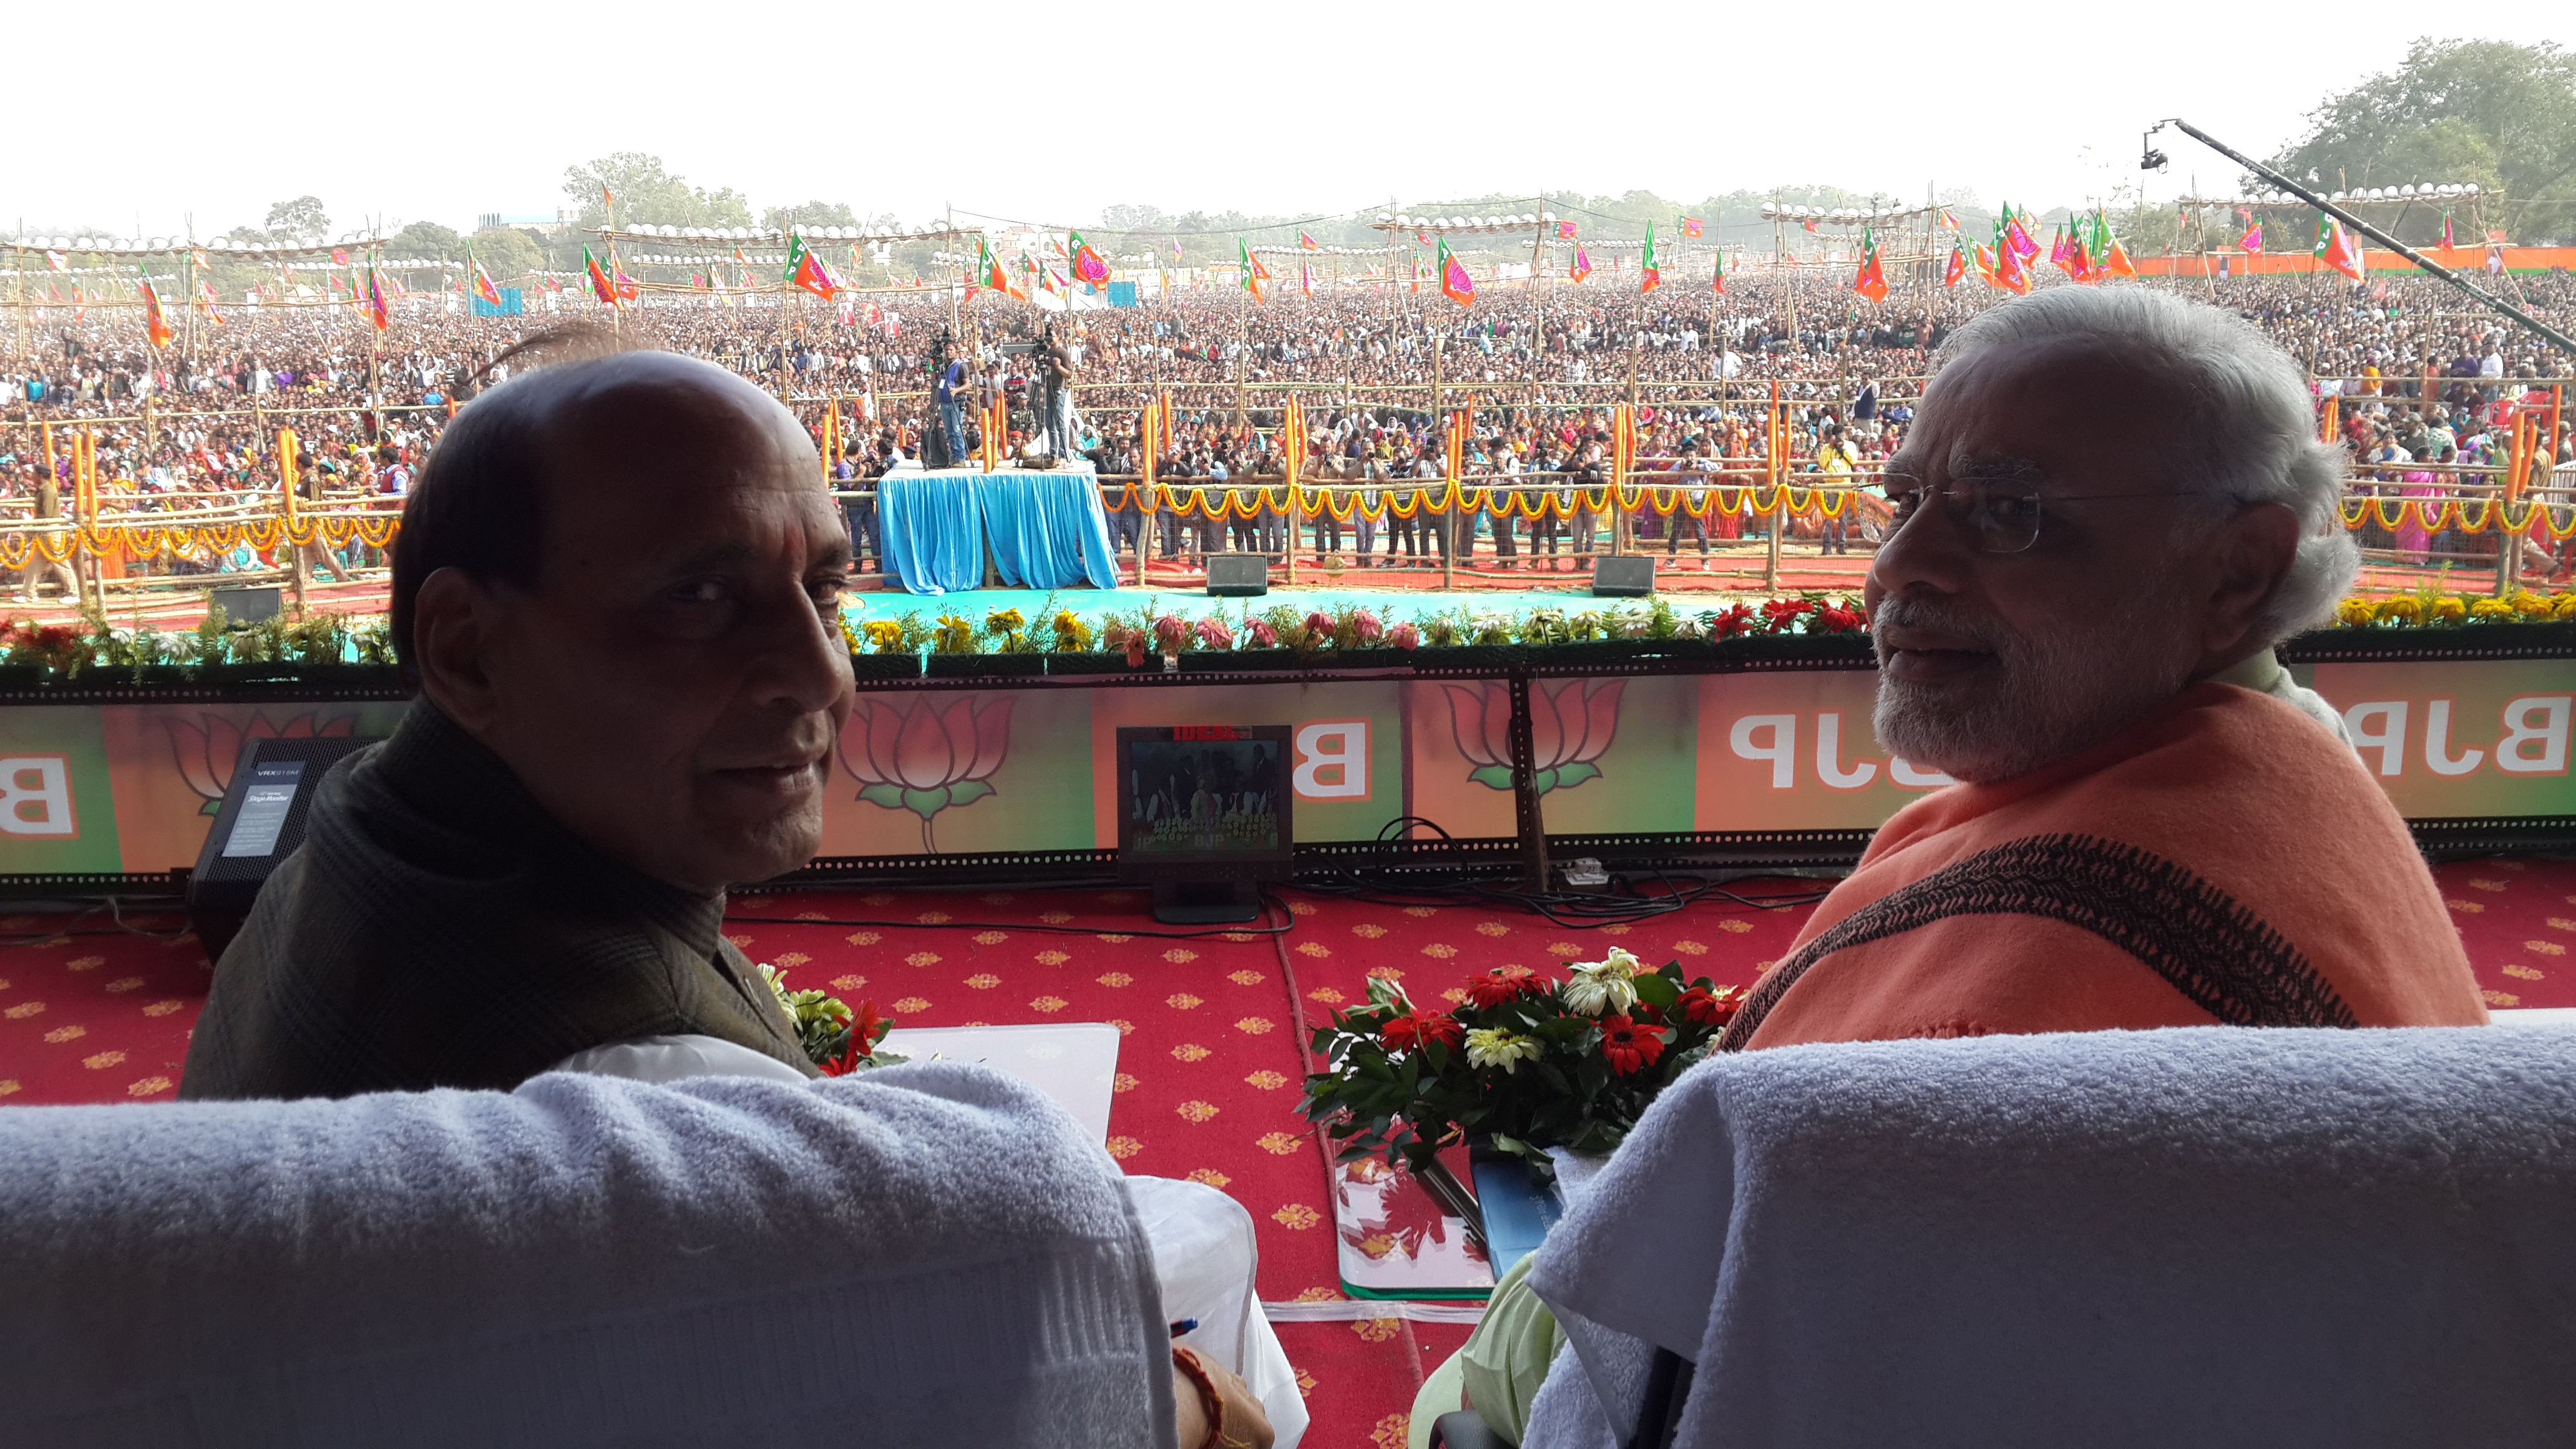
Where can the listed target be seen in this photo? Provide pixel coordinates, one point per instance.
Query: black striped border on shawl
(2222, 956)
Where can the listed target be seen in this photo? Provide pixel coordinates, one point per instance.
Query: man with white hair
(2110, 507)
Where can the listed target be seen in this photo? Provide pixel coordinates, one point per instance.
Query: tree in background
(2489, 111)
(646, 193)
(425, 241)
(299, 222)
(507, 253)
(810, 213)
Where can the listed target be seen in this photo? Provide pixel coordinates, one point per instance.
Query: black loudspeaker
(260, 823)
(244, 607)
(1623, 576)
(1238, 575)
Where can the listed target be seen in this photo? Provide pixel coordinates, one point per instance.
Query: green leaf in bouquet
(1657, 988)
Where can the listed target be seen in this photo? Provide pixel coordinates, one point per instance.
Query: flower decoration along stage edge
(1525, 1061)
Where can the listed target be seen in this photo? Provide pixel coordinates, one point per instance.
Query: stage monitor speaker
(260, 823)
(1238, 575)
(1622, 576)
(244, 607)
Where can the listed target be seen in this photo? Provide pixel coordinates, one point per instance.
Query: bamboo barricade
(93, 535)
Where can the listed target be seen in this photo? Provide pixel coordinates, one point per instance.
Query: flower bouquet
(1524, 1062)
(836, 1038)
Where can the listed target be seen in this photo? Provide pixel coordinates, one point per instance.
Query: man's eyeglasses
(2000, 517)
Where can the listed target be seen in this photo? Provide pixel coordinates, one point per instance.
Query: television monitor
(259, 824)
(1204, 812)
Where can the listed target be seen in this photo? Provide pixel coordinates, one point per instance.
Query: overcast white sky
(443, 112)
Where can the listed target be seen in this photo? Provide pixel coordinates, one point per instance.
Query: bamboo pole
(1779, 494)
(1292, 445)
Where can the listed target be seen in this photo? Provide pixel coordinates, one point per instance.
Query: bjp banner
(1795, 752)
(2467, 740)
(129, 789)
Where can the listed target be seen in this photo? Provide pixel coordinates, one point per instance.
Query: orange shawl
(2223, 861)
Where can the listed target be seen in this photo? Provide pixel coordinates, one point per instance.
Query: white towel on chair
(2213, 1236)
(928, 1254)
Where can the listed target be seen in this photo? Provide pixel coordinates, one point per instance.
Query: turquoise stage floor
(1391, 605)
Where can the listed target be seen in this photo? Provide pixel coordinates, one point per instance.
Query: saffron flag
(2335, 248)
(483, 287)
(2447, 242)
(1650, 276)
(1305, 276)
(1417, 273)
(58, 261)
(206, 301)
(1809, 223)
(1455, 284)
(806, 270)
(199, 260)
(628, 289)
(989, 271)
(600, 286)
(154, 326)
(1957, 271)
(2251, 243)
(1307, 243)
(1948, 222)
(1176, 249)
(376, 306)
(1717, 282)
(2012, 271)
(1565, 231)
(1691, 226)
(2116, 263)
(1582, 267)
(1088, 265)
(339, 258)
(2017, 238)
(1871, 282)
(1248, 272)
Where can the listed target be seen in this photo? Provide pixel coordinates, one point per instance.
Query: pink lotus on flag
(918, 755)
(1569, 730)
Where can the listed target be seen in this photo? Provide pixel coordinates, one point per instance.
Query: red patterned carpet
(1213, 1028)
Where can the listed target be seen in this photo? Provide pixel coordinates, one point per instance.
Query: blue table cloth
(1047, 529)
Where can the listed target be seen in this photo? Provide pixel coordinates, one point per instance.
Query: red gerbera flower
(1737, 620)
(1779, 614)
(865, 1032)
(1497, 988)
(1712, 1008)
(1630, 1045)
(1413, 1030)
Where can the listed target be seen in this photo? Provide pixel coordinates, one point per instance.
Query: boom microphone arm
(2154, 160)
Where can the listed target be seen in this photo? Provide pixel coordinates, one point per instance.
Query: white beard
(2054, 695)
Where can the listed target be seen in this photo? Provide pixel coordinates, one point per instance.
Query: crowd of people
(1803, 382)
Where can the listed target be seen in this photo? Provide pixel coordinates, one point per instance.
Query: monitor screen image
(1203, 794)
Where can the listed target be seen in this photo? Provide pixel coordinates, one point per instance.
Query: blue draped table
(1047, 529)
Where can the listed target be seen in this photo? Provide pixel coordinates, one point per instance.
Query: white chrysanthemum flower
(1594, 991)
(1492, 1046)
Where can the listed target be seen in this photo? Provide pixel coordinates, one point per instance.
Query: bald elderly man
(2111, 506)
(619, 586)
